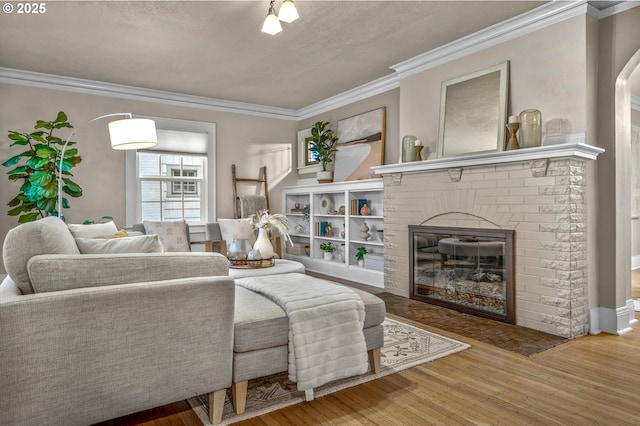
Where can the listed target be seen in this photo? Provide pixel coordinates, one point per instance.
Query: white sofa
(87, 338)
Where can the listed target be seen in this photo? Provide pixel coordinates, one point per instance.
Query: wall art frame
(361, 142)
(473, 112)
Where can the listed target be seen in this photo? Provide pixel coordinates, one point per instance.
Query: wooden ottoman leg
(216, 405)
(239, 396)
(374, 360)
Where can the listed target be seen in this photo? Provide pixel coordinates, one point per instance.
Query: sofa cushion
(260, 323)
(49, 235)
(141, 244)
(93, 230)
(172, 233)
(237, 229)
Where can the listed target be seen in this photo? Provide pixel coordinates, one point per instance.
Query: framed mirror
(473, 112)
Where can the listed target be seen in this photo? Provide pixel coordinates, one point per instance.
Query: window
(170, 181)
(186, 188)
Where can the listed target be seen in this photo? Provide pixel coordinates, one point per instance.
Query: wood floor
(592, 380)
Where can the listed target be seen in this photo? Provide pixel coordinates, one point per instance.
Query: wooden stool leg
(239, 396)
(216, 405)
(374, 360)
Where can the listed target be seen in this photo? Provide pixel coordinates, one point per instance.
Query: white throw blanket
(326, 341)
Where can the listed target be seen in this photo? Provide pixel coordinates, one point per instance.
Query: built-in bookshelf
(345, 215)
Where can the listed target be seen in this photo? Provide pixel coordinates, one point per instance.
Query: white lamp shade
(288, 12)
(133, 133)
(271, 24)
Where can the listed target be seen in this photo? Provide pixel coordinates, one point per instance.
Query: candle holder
(418, 151)
(512, 143)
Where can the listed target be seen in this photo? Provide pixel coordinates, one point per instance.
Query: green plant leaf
(15, 159)
(37, 163)
(16, 211)
(41, 178)
(74, 194)
(61, 117)
(41, 124)
(21, 142)
(70, 152)
(72, 185)
(16, 200)
(38, 137)
(31, 217)
(44, 151)
(20, 169)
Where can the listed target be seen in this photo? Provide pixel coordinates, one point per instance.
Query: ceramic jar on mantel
(530, 128)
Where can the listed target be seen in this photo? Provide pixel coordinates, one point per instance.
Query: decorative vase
(342, 234)
(326, 204)
(324, 176)
(361, 263)
(238, 249)
(530, 128)
(264, 244)
(381, 235)
(408, 148)
(364, 232)
(328, 255)
(365, 210)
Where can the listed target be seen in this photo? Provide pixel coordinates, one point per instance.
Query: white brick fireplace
(538, 192)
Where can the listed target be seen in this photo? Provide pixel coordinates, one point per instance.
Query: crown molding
(381, 85)
(536, 19)
(619, 7)
(100, 88)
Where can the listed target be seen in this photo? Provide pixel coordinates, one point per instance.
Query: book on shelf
(356, 205)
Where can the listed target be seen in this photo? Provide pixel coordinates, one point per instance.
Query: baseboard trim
(613, 321)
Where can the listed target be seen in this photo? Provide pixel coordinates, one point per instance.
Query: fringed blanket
(326, 341)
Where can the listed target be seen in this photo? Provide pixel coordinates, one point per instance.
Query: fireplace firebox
(470, 270)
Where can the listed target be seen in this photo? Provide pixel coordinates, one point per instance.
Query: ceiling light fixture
(288, 12)
(271, 24)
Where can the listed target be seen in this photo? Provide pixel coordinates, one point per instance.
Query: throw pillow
(93, 230)
(120, 234)
(173, 234)
(142, 244)
(237, 229)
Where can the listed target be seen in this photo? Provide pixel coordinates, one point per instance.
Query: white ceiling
(215, 48)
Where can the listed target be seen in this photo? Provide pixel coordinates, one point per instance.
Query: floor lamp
(128, 133)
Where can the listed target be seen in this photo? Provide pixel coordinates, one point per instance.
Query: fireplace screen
(466, 269)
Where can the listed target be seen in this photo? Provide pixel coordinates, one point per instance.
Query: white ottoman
(282, 266)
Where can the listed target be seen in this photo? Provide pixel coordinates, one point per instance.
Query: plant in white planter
(360, 255)
(328, 250)
(322, 145)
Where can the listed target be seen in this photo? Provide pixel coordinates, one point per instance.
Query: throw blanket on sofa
(326, 341)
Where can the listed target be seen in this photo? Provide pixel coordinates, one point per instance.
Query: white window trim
(133, 209)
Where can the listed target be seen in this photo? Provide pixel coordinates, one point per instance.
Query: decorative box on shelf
(374, 261)
(298, 250)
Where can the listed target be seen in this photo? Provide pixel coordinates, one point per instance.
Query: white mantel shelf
(570, 149)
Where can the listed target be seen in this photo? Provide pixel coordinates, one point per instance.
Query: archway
(623, 173)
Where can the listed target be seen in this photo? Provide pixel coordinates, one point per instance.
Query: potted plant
(328, 249)
(323, 147)
(360, 255)
(38, 170)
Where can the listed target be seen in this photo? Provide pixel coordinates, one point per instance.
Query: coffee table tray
(251, 264)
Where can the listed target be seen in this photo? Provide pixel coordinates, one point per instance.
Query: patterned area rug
(405, 346)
